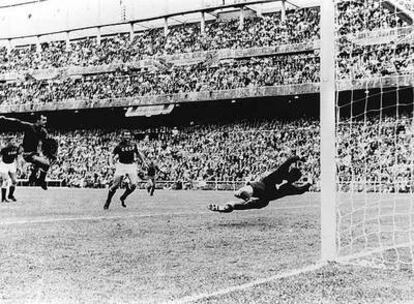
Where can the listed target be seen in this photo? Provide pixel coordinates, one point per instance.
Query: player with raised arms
(258, 194)
(34, 134)
(124, 155)
(9, 166)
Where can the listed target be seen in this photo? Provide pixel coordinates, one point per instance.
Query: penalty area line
(283, 275)
(125, 216)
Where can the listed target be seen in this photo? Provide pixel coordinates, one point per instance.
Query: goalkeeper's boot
(12, 198)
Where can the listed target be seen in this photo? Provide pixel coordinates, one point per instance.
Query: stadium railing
(173, 185)
(50, 183)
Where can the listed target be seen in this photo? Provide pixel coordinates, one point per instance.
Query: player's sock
(127, 192)
(11, 193)
(42, 179)
(33, 176)
(111, 194)
(124, 196)
(152, 190)
(3, 195)
(225, 209)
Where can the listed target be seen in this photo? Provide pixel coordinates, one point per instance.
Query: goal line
(221, 292)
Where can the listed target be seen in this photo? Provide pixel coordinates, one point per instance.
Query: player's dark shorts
(28, 156)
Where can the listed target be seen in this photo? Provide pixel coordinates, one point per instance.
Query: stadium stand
(224, 153)
(232, 152)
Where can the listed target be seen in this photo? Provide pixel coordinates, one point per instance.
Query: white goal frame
(327, 121)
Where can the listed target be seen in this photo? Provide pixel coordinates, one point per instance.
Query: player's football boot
(4, 200)
(12, 198)
(42, 184)
(122, 202)
(32, 178)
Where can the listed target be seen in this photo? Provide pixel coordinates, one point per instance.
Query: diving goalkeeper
(258, 194)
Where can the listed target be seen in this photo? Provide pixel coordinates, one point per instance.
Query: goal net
(374, 129)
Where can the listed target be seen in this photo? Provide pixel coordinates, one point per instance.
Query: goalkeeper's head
(294, 175)
(244, 193)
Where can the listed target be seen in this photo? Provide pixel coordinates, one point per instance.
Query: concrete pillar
(165, 26)
(283, 10)
(203, 23)
(9, 46)
(67, 39)
(98, 35)
(38, 46)
(259, 11)
(131, 32)
(241, 24)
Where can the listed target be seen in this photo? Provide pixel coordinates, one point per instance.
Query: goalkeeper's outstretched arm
(252, 203)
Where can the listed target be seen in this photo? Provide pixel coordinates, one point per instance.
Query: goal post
(367, 134)
(327, 131)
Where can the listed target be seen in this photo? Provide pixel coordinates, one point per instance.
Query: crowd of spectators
(299, 25)
(229, 152)
(230, 74)
(376, 156)
(358, 16)
(372, 61)
(370, 155)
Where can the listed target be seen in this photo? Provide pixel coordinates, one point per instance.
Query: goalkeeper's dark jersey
(274, 185)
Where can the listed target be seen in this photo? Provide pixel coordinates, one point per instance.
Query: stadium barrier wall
(241, 93)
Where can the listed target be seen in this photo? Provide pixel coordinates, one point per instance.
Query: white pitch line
(122, 216)
(241, 287)
(97, 218)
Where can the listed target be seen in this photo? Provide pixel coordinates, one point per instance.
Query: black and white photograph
(207, 151)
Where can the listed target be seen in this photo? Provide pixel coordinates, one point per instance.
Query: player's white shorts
(127, 169)
(8, 168)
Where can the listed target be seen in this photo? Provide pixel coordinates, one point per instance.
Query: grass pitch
(59, 246)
